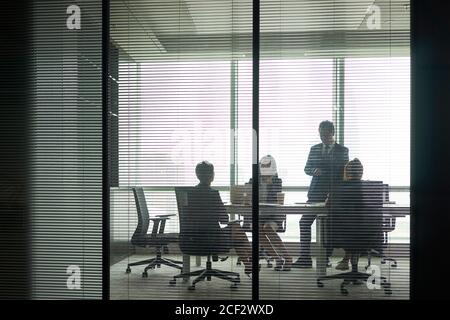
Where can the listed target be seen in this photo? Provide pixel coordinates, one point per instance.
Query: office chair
(388, 226)
(197, 243)
(157, 239)
(355, 224)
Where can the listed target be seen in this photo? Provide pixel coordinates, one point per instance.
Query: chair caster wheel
(191, 288)
(172, 282)
(234, 286)
(319, 284)
(386, 285)
(144, 275)
(128, 270)
(344, 291)
(158, 266)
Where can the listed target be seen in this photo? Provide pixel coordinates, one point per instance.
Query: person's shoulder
(211, 189)
(204, 189)
(316, 146)
(341, 147)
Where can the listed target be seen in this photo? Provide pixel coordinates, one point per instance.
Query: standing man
(325, 164)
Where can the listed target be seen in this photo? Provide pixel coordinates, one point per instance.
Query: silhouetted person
(354, 203)
(207, 211)
(269, 187)
(325, 164)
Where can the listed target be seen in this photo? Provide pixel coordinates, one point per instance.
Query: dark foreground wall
(430, 176)
(15, 97)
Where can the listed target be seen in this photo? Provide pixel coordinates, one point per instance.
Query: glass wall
(346, 62)
(177, 102)
(184, 95)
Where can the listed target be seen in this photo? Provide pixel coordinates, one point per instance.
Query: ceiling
(147, 28)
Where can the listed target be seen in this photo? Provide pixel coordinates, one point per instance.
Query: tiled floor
(294, 284)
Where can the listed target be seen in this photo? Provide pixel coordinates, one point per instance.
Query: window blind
(66, 152)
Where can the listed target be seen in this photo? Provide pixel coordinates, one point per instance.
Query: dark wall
(15, 97)
(430, 176)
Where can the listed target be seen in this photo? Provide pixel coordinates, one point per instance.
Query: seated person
(207, 212)
(269, 188)
(347, 203)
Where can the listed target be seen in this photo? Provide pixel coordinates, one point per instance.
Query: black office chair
(157, 239)
(388, 225)
(195, 243)
(355, 223)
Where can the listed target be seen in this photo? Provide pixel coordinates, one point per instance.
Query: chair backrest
(357, 216)
(386, 193)
(142, 214)
(373, 193)
(196, 235)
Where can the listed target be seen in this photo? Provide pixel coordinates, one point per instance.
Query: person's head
(205, 172)
(267, 168)
(326, 131)
(353, 170)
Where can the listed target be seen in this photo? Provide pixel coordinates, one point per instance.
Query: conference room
(183, 91)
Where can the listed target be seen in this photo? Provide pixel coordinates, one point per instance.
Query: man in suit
(325, 164)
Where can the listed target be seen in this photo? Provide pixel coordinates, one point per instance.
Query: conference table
(318, 209)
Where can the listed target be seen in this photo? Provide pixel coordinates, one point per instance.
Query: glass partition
(181, 93)
(177, 108)
(346, 62)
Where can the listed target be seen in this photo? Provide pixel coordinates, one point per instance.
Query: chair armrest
(234, 222)
(158, 219)
(165, 215)
(159, 223)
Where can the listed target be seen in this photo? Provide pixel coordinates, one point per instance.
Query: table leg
(198, 261)
(321, 262)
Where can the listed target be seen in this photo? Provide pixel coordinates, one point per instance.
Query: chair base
(384, 259)
(155, 262)
(207, 274)
(354, 277)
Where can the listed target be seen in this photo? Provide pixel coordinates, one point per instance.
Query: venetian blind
(66, 151)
